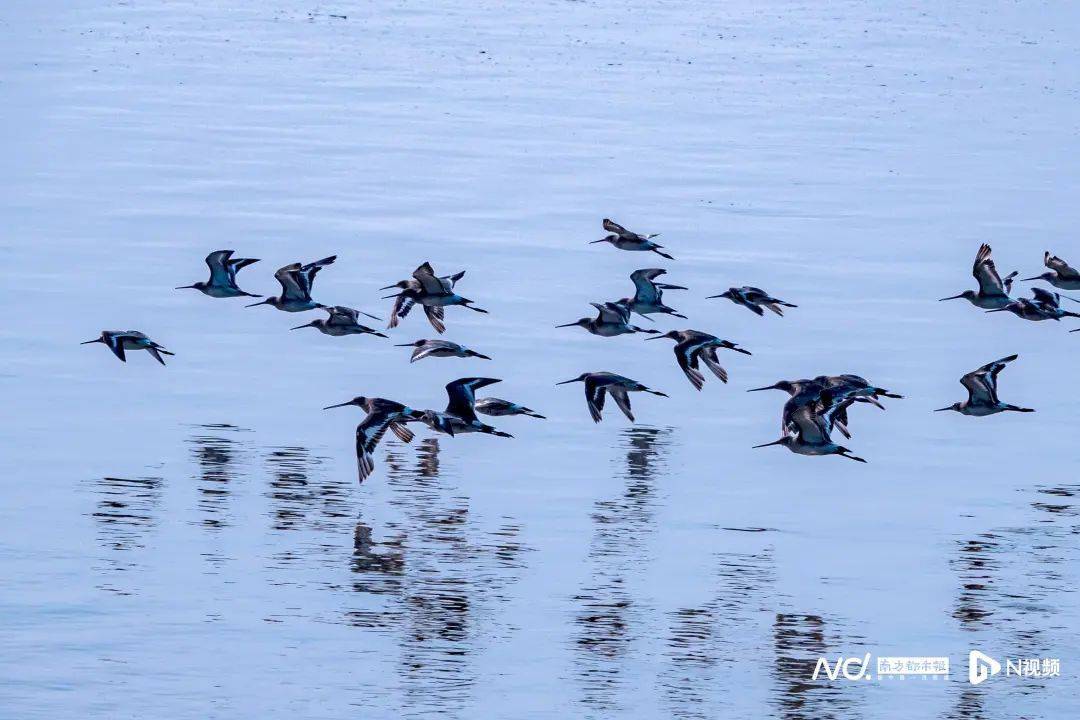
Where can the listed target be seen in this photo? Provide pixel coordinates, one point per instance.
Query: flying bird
(121, 340)
(1044, 305)
(993, 292)
(222, 282)
(648, 294)
(1061, 274)
(341, 321)
(611, 319)
(460, 413)
(597, 384)
(439, 348)
(296, 281)
(404, 302)
(982, 397)
(623, 239)
(498, 407)
(382, 415)
(692, 346)
(433, 293)
(808, 429)
(754, 299)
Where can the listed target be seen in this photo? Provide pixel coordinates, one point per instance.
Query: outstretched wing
(1046, 297)
(687, 357)
(292, 287)
(341, 315)
(613, 227)
(425, 275)
(1062, 268)
(986, 273)
(218, 261)
(622, 399)
(645, 290)
(594, 398)
(461, 396)
(611, 312)
(306, 275)
(435, 316)
(981, 384)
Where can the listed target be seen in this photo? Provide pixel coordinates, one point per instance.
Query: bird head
(313, 323)
(729, 294)
(784, 385)
(196, 286)
(95, 340)
(267, 301)
(417, 343)
(608, 238)
(402, 284)
(359, 401)
(785, 441)
(670, 335)
(1048, 276)
(580, 378)
(955, 406)
(583, 322)
(966, 295)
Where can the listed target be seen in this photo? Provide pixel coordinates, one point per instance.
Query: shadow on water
(609, 617)
(126, 512)
(436, 582)
(1013, 583)
(218, 457)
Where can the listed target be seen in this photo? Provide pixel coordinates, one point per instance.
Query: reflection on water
(217, 456)
(799, 641)
(609, 617)
(125, 513)
(436, 581)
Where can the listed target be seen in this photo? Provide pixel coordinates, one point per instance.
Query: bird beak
(740, 350)
(775, 442)
(388, 287)
(875, 403)
(403, 344)
(1037, 277)
(184, 287)
(482, 357)
(943, 409)
(954, 297)
(998, 310)
(338, 405)
(88, 342)
(302, 326)
(658, 337)
(567, 325)
(264, 302)
(598, 241)
(387, 297)
(767, 387)
(710, 297)
(567, 382)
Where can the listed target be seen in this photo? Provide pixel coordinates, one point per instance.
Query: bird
(847, 389)
(692, 346)
(460, 413)
(498, 407)
(382, 414)
(439, 348)
(611, 319)
(341, 321)
(120, 340)
(981, 385)
(296, 280)
(623, 239)
(1044, 305)
(404, 303)
(993, 292)
(433, 293)
(808, 429)
(754, 299)
(222, 282)
(597, 383)
(648, 295)
(1061, 274)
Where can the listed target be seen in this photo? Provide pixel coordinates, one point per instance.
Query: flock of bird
(816, 407)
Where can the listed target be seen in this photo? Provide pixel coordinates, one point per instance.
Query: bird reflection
(436, 580)
(799, 640)
(216, 455)
(610, 618)
(126, 513)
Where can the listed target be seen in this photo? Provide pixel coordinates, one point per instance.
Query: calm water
(190, 541)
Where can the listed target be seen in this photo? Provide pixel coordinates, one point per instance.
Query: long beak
(744, 352)
(264, 302)
(874, 402)
(404, 345)
(387, 297)
(598, 241)
(1069, 297)
(710, 297)
(775, 442)
(184, 287)
(657, 337)
(88, 342)
(767, 387)
(1037, 277)
(665, 286)
(998, 310)
(388, 287)
(567, 382)
(302, 326)
(567, 325)
(943, 409)
(338, 405)
(954, 297)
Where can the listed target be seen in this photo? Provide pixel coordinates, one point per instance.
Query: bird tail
(661, 253)
(1016, 408)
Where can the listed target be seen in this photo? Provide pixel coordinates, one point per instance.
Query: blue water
(191, 542)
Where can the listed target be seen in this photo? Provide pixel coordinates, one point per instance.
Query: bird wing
(986, 273)
(341, 315)
(594, 398)
(493, 406)
(687, 357)
(754, 295)
(368, 434)
(812, 420)
(306, 275)
(425, 275)
(645, 290)
(292, 287)
(708, 355)
(611, 313)
(435, 316)
(1046, 297)
(1062, 268)
(115, 342)
(235, 265)
(218, 262)
(461, 396)
(430, 346)
(613, 227)
(981, 384)
(403, 433)
(622, 399)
